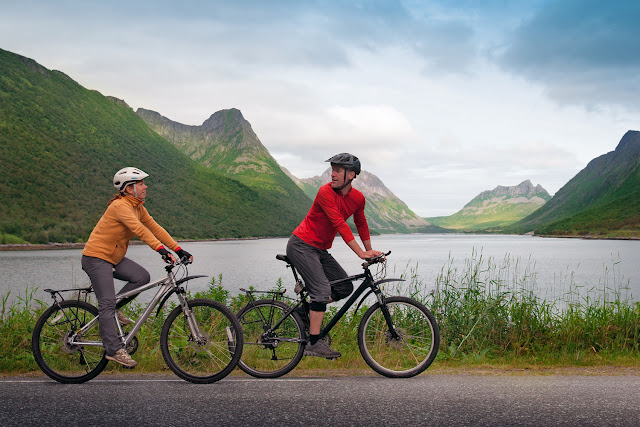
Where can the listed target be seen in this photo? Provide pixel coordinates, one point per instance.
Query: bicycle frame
(167, 285)
(367, 283)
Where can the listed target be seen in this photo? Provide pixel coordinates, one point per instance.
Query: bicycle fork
(191, 320)
(385, 313)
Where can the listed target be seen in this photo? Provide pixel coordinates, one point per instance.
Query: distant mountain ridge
(496, 208)
(385, 212)
(603, 197)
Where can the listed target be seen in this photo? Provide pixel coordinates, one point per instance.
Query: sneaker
(122, 357)
(124, 320)
(321, 349)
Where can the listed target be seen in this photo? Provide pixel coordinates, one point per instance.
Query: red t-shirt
(327, 217)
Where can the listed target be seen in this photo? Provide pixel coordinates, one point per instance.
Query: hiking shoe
(321, 349)
(122, 357)
(124, 320)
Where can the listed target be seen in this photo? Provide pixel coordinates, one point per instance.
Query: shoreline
(58, 246)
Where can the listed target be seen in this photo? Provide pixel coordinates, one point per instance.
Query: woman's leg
(100, 273)
(134, 274)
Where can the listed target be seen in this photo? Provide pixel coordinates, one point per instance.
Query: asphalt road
(442, 399)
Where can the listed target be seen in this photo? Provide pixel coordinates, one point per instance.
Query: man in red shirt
(307, 247)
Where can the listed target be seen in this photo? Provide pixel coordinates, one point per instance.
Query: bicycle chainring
(132, 347)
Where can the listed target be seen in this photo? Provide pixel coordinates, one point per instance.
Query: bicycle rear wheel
(51, 343)
(412, 351)
(270, 353)
(211, 358)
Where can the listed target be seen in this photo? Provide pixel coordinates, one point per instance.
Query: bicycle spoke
(270, 353)
(212, 356)
(411, 347)
(53, 351)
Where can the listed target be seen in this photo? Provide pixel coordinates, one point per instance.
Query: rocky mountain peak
(524, 189)
(384, 210)
(225, 141)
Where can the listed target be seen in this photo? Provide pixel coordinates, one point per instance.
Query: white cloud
(415, 89)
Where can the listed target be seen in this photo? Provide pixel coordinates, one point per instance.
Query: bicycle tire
(277, 354)
(413, 352)
(208, 361)
(61, 361)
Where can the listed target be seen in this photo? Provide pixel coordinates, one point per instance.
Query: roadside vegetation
(488, 312)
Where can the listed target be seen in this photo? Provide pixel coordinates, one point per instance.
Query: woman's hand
(166, 255)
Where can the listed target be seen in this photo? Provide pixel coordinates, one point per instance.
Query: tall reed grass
(488, 311)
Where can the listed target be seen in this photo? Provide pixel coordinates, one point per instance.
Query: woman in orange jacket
(103, 257)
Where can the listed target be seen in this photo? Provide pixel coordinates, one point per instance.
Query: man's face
(337, 176)
(140, 190)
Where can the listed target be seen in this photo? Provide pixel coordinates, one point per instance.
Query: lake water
(558, 264)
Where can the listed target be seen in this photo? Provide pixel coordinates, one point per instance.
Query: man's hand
(370, 254)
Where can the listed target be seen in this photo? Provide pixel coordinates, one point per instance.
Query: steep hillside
(225, 142)
(496, 208)
(602, 198)
(384, 210)
(60, 145)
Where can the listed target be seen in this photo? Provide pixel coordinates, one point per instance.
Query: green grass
(488, 312)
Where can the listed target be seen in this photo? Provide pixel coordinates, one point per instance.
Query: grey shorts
(317, 267)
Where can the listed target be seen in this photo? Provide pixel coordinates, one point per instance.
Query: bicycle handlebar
(183, 261)
(380, 258)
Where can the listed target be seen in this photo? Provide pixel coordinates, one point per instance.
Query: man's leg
(334, 271)
(306, 259)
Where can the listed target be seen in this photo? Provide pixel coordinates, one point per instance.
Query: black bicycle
(201, 339)
(398, 337)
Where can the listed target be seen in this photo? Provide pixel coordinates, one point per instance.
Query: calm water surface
(558, 264)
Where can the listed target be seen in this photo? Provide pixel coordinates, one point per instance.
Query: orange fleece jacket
(124, 218)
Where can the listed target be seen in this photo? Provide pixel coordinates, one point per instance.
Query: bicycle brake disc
(66, 346)
(400, 342)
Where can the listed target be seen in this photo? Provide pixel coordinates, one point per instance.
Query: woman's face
(139, 190)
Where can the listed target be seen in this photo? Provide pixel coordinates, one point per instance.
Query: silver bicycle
(201, 339)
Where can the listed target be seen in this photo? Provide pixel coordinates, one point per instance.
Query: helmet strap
(345, 181)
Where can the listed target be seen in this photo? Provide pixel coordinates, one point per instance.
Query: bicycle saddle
(284, 258)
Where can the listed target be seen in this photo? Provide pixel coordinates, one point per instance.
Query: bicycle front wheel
(207, 358)
(411, 350)
(57, 343)
(269, 351)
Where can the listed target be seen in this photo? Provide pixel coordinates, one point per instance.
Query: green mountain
(496, 208)
(60, 145)
(226, 143)
(603, 198)
(385, 212)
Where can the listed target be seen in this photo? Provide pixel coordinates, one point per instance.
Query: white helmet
(126, 176)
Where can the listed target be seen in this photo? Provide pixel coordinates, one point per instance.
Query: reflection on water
(558, 263)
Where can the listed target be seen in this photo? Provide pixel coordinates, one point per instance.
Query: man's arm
(367, 253)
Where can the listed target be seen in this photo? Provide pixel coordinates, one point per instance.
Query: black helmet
(346, 160)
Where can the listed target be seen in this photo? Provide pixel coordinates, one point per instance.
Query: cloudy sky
(440, 99)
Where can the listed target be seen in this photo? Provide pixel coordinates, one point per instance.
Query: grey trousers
(101, 273)
(318, 267)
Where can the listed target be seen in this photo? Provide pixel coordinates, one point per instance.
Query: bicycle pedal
(331, 358)
(128, 367)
